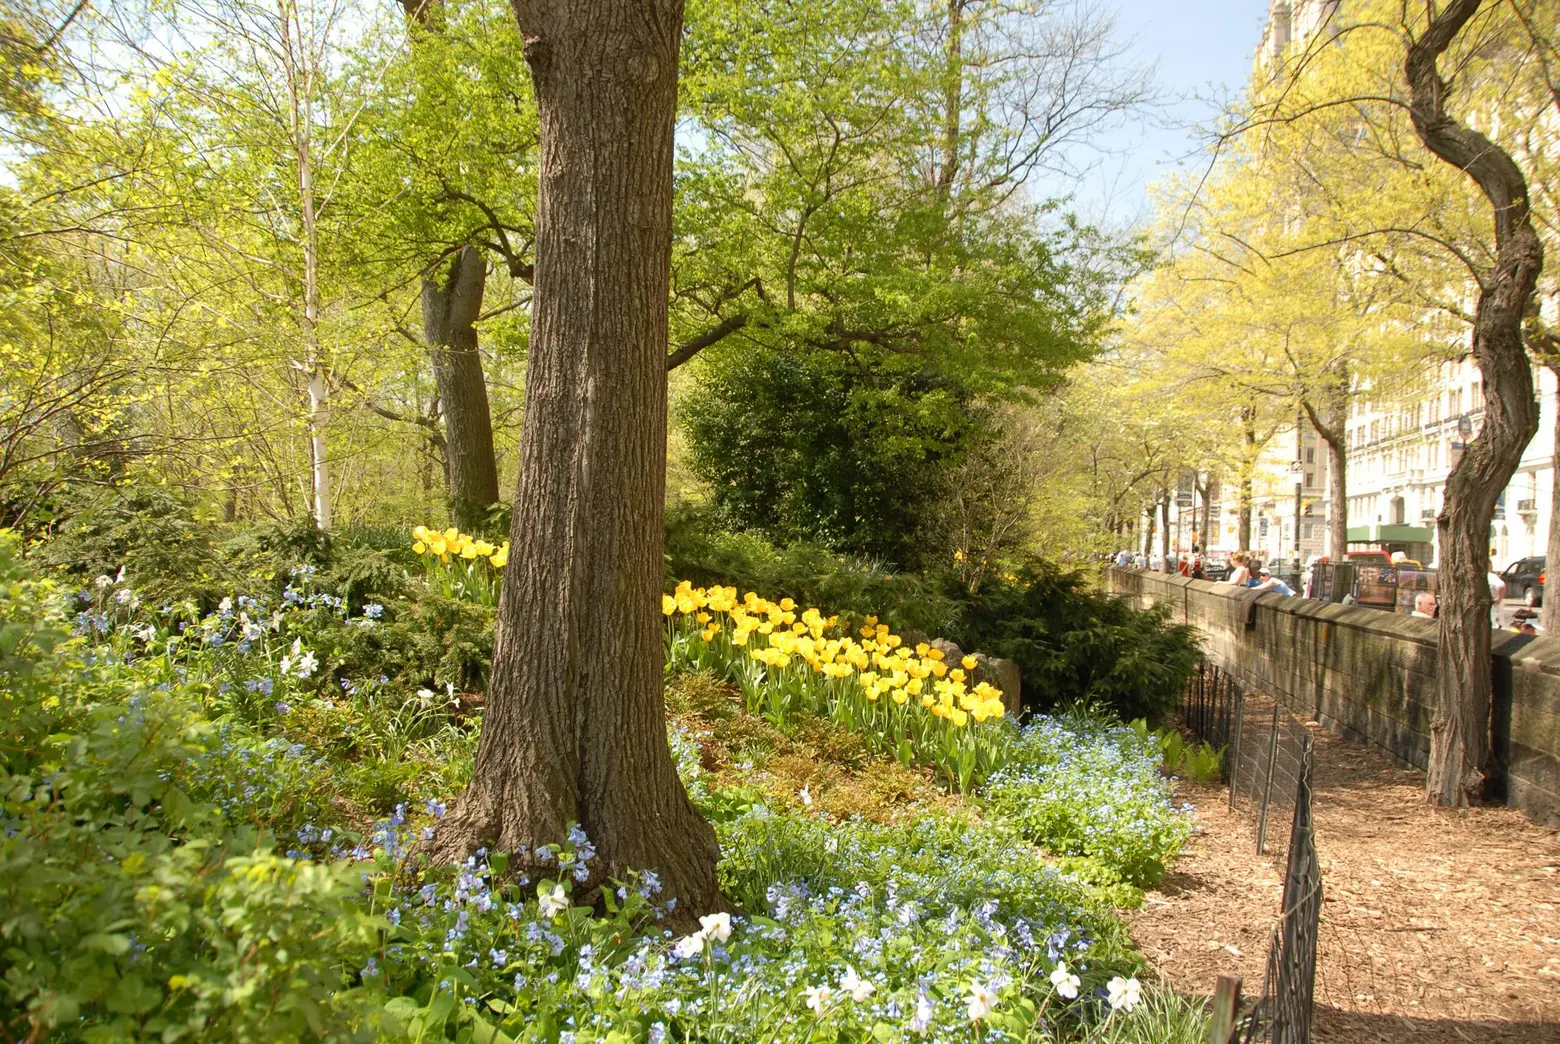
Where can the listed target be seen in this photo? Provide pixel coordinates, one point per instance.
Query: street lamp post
(1298, 471)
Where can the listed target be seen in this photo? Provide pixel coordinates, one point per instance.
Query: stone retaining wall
(1370, 675)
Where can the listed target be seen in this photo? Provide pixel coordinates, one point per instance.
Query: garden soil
(1437, 926)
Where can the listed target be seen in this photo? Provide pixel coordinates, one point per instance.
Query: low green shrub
(1073, 643)
(136, 897)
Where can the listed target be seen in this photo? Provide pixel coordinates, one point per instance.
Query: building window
(1310, 479)
(1310, 530)
(1310, 454)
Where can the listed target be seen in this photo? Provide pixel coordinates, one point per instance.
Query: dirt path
(1436, 926)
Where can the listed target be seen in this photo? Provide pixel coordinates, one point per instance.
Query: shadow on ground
(1353, 1027)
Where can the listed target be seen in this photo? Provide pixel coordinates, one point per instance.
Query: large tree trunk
(450, 307)
(1460, 762)
(575, 728)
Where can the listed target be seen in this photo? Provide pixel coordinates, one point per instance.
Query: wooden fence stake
(1226, 1005)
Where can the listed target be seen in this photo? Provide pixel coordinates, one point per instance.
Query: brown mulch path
(1436, 925)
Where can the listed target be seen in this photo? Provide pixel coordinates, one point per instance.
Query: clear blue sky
(1203, 49)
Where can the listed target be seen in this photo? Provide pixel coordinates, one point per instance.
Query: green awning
(1385, 534)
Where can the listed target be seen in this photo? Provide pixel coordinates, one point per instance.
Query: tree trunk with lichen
(575, 725)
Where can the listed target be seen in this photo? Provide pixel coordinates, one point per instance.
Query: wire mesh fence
(1269, 760)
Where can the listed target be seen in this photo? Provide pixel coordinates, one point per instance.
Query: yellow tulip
(418, 547)
(968, 663)
(668, 605)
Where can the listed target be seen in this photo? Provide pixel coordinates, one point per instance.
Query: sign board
(1410, 583)
(1465, 425)
(1376, 587)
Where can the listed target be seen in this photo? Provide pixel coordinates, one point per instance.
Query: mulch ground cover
(1436, 925)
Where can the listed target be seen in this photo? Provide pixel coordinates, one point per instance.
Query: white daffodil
(818, 998)
(1065, 981)
(307, 664)
(689, 945)
(806, 796)
(554, 902)
(1124, 994)
(982, 1000)
(858, 988)
(716, 926)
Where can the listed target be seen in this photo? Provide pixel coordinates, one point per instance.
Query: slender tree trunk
(300, 88)
(1248, 463)
(1550, 617)
(1331, 424)
(953, 102)
(1460, 758)
(1207, 514)
(1164, 526)
(575, 728)
(450, 307)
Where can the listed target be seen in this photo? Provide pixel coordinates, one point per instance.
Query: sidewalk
(1436, 925)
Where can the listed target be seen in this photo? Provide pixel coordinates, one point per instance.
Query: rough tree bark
(1330, 423)
(451, 302)
(575, 727)
(1460, 752)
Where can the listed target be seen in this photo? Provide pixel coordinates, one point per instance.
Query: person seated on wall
(1525, 621)
(1424, 606)
(1240, 569)
(1268, 582)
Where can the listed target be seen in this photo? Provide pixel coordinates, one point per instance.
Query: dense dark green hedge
(1073, 642)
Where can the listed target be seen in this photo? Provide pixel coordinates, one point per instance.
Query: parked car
(1216, 566)
(1525, 580)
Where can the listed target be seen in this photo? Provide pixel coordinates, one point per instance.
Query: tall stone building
(1399, 453)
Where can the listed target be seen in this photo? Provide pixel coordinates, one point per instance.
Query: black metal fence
(1269, 763)
(1283, 1013)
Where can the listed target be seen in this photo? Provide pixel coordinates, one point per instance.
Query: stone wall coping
(1368, 673)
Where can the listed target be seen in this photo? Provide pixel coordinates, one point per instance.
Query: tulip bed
(211, 834)
(906, 700)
